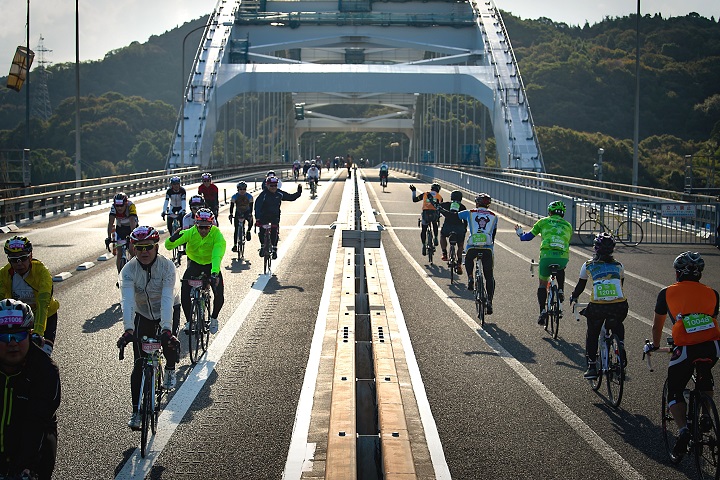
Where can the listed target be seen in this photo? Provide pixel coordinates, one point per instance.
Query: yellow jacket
(40, 279)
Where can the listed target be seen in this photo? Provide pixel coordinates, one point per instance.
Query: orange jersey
(692, 307)
(427, 204)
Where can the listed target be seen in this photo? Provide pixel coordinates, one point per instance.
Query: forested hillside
(580, 83)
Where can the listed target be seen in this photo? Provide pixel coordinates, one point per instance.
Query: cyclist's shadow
(238, 265)
(105, 320)
(509, 342)
(273, 286)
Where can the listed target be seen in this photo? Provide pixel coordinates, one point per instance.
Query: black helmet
(435, 187)
(604, 243)
(689, 263)
(456, 196)
(242, 186)
(483, 199)
(120, 199)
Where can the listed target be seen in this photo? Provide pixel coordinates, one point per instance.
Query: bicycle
(553, 308)
(628, 232)
(296, 174)
(702, 421)
(151, 388)
(176, 225)
(240, 243)
(610, 358)
(383, 182)
(121, 249)
(313, 187)
(429, 244)
(199, 328)
(267, 248)
(479, 289)
(452, 255)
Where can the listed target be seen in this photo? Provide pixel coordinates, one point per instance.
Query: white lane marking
(566, 414)
(299, 447)
(432, 437)
(173, 413)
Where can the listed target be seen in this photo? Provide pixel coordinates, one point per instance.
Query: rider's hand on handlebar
(649, 347)
(230, 217)
(172, 342)
(107, 244)
(214, 279)
(163, 215)
(126, 338)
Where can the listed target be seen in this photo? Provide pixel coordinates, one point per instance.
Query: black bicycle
(240, 243)
(702, 421)
(313, 187)
(452, 258)
(267, 249)
(553, 310)
(610, 359)
(479, 291)
(199, 329)
(176, 225)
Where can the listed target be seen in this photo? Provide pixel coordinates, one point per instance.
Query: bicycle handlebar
(576, 307)
(649, 354)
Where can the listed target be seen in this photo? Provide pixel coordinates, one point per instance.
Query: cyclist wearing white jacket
(150, 298)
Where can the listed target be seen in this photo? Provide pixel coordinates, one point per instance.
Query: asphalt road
(508, 401)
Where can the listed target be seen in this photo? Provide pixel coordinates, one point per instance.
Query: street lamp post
(636, 130)
(599, 166)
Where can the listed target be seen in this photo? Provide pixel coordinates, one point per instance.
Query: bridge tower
(417, 61)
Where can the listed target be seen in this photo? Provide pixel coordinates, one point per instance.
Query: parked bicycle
(610, 357)
(702, 421)
(151, 388)
(627, 232)
(199, 329)
(553, 307)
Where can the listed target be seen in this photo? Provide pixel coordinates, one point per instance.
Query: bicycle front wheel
(204, 332)
(630, 233)
(615, 372)
(194, 332)
(146, 410)
(668, 427)
(588, 230)
(707, 429)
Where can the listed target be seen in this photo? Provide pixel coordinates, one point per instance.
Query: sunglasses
(14, 336)
(144, 248)
(19, 259)
(204, 227)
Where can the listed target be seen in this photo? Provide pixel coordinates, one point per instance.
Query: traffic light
(299, 111)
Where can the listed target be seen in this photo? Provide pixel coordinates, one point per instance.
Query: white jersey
(482, 224)
(313, 172)
(151, 293)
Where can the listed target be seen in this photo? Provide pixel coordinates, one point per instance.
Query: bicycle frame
(150, 406)
(553, 307)
(479, 292)
(199, 328)
(267, 246)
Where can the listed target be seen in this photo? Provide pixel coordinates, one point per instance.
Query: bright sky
(110, 24)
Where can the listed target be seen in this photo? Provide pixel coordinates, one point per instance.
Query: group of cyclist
(692, 306)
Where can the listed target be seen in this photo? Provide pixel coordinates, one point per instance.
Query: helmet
(15, 315)
(206, 176)
(604, 243)
(144, 233)
(175, 180)
(196, 201)
(556, 208)
(205, 216)
(483, 199)
(689, 263)
(120, 199)
(271, 173)
(271, 181)
(312, 163)
(17, 246)
(456, 196)
(242, 186)
(435, 187)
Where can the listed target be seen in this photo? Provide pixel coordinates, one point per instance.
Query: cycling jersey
(483, 227)
(150, 290)
(210, 193)
(242, 204)
(556, 233)
(693, 310)
(124, 219)
(313, 172)
(606, 279)
(267, 206)
(428, 199)
(384, 170)
(201, 250)
(175, 200)
(38, 294)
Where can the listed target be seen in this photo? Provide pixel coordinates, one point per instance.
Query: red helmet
(143, 233)
(204, 216)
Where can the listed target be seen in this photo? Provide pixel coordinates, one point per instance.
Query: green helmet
(556, 208)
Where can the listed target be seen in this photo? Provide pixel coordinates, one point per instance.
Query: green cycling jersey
(556, 233)
(199, 249)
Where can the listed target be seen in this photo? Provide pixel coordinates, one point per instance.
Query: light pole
(78, 169)
(598, 170)
(636, 133)
(27, 88)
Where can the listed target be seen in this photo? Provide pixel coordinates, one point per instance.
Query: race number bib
(479, 239)
(607, 290)
(697, 322)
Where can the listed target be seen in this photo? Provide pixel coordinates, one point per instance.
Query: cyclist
(267, 210)
(271, 173)
(430, 215)
(205, 248)
(242, 204)
(606, 299)
(384, 172)
(483, 228)
(693, 310)
(174, 202)
(123, 218)
(554, 250)
(313, 174)
(319, 165)
(210, 193)
(27, 279)
(30, 397)
(296, 169)
(195, 203)
(336, 162)
(349, 164)
(150, 299)
(453, 224)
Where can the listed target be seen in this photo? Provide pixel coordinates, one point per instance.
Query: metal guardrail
(60, 197)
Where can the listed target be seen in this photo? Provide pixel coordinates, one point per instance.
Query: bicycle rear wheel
(194, 333)
(204, 332)
(668, 426)
(480, 296)
(615, 372)
(588, 230)
(630, 233)
(553, 316)
(596, 382)
(146, 409)
(430, 249)
(706, 438)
